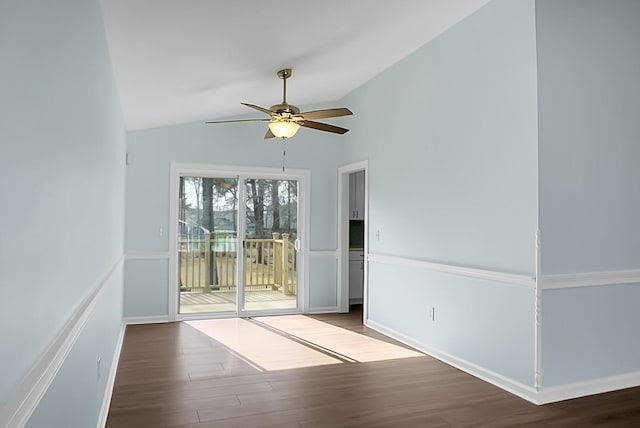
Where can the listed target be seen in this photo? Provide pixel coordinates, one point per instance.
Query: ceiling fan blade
(326, 113)
(238, 120)
(269, 134)
(323, 127)
(262, 109)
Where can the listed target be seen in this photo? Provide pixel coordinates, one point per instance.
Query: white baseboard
(155, 319)
(323, 310)
(106, 400)
(523, 391)
(544, 396)
(589, 387)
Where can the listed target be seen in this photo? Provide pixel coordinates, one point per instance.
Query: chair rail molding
(469, 272)
(147, 255)
(324, 253)
(590, 279)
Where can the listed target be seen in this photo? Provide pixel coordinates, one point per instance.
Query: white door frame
(343, 234)
(241, 172)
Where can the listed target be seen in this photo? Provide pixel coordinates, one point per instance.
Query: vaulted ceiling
(179, 61)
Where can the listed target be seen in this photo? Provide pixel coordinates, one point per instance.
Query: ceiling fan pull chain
(284, 152)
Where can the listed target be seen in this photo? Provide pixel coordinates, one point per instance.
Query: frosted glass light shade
(283, 129)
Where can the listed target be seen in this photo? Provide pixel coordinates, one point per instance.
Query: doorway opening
(353, 237)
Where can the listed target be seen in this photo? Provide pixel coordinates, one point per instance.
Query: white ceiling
(179, 61)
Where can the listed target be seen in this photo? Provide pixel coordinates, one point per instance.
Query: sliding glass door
(208, 244)
(237, 244)
(270, 244)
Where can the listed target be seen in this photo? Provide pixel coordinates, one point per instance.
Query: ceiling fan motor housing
(285, 108)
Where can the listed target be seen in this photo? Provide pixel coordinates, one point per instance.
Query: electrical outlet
(98, 368)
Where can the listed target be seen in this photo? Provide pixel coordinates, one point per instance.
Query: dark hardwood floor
(175, 375)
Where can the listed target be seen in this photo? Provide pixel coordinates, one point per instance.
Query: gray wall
(62, 186)
(450, 134)
(589, 99)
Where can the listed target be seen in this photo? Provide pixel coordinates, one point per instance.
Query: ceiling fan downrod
(285, 107)
(284, 75)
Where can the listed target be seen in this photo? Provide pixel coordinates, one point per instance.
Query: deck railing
(211, 264)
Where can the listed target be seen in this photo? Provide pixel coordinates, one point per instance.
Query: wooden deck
(207, 264)
(225, 301)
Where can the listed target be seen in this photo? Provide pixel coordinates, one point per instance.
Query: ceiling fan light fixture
(283, 128)
(285, 119)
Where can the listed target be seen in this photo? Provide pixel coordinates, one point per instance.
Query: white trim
(229, 171)
(147, 255)
(324, 253)
(172, 280)
(537, 375)
(304, 207)
(588, 387)
(106, 399)
(323, 310)
(157, 319)
(27, 395)
(502, 277)
(544, 395)
(365, 291)
(241, 225)
(521, 390)
(591, 279)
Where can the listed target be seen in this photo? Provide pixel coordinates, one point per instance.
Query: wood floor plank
(176, 375)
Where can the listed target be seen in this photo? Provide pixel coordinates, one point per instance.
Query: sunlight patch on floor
(264, 349)
(296, 341)
(347, 343)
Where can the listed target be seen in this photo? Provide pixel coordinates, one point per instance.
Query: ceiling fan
(285, 119)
